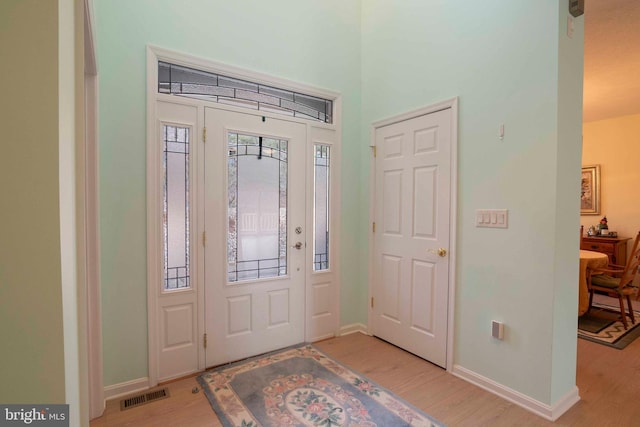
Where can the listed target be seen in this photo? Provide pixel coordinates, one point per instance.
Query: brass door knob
(441, 252)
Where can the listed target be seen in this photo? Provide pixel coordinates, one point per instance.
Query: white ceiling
(611, 59)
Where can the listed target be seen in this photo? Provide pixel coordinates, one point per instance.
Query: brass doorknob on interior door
(298, 245)
(441, 252)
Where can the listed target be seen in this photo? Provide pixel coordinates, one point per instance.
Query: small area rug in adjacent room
(301, 386)
(602, 324)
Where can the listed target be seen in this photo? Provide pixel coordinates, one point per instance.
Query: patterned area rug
(602, 325)
(301, 386)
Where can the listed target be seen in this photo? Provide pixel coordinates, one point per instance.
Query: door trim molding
(93, 305)
(92, 214)
(155, 54)
(453, 213)
(153, 223)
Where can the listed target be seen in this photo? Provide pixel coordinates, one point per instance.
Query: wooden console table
(614, 247)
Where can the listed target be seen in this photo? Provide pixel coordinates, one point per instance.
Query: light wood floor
(608, 379)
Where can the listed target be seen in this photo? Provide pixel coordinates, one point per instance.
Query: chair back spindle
(631, 268)
(619, 281)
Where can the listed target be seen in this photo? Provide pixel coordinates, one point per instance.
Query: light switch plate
(492, 218)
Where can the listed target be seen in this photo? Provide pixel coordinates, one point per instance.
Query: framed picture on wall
(590, 190)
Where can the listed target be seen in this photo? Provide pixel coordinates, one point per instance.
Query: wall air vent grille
(144, 398)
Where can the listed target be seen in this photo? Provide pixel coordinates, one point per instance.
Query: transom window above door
(178, 80)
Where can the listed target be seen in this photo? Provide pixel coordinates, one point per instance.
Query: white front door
(412, 208)
(255, 234)
(176, 294)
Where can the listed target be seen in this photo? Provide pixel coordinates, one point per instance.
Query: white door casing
(412, 211)
(320, 308)
(250, 317)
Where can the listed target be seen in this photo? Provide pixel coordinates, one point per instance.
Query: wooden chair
(618, 281)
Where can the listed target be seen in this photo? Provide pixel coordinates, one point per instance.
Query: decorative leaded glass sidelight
(321, 207)
(175, 210)
(178, 80)
(257, 212)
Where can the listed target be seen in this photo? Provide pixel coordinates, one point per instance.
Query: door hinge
(374, 150)
(371, 302)
(204, 134)
(373, 227)
(204, 238)
(204, 340)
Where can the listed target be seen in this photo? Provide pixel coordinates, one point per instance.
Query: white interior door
(255, 234)
(412, 205)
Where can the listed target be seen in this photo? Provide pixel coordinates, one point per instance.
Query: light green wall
(507, 62)
(568, 171)
(31, 314)
(314, 42)
(501, 58)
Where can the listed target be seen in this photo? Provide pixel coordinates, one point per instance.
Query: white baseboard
(353, 328)
(564, 404)
(128, 387)
(549, 412)
(322, 337)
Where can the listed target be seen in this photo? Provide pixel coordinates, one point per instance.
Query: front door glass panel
(175, 207)
(321, 207)
(257, 211)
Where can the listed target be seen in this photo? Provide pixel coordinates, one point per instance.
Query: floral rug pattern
(303, 387)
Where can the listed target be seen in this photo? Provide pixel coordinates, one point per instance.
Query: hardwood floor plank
(608, 380)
